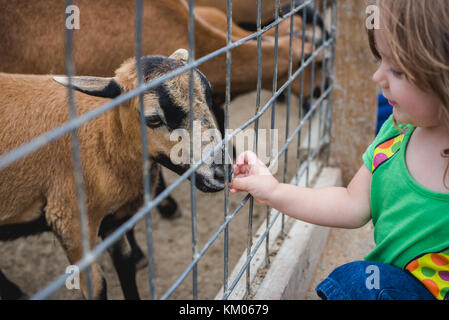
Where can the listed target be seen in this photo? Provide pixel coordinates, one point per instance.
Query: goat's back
(31, 105)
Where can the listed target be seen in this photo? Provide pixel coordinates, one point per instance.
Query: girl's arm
(333, 207)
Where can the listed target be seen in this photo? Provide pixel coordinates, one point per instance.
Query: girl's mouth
(393, 103)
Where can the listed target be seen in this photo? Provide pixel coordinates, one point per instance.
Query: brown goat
(245, 11)
(41, 187)
(32, 38)
(32, 41)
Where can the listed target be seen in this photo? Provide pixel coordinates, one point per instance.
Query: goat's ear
(94, 86)
(180, 54)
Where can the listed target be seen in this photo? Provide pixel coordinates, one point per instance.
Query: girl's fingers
(236, 170)
(240, 159)
(239, 185)
(250, 158)
(247, 157)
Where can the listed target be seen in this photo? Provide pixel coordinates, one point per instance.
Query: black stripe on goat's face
(167, 117)
(173, 95)
(174, 114)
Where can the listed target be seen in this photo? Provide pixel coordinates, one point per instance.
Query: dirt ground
(35, 261)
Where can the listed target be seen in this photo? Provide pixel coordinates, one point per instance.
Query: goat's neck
(122, 140)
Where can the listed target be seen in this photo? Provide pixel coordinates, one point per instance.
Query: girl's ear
(94, 86)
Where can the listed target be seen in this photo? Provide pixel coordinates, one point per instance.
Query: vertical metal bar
(323, 72)
(228, 145)
(192, 159)
(255, 144)
(312, 80)
(301, 93)
(78, 172)
(332, 70)
(273, 120)
(145, 160)
(287, 120)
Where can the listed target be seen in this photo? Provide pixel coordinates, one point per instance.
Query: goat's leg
(111, 222)
(65, 225)
(168, 208)
(9, 290)
(139, 258)
(122, 257)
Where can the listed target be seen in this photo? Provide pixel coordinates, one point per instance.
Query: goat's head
(166, 113)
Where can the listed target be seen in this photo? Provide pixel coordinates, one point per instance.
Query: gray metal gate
(323, 47)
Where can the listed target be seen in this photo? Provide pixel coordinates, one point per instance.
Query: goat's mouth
(207, 179)
(207, 185)
(214, 179)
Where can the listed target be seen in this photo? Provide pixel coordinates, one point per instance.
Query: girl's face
(410, 104)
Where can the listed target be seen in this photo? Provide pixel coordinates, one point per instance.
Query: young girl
(403, 185)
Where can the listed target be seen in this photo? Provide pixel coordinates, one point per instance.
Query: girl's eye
(153, 121)
(396, 72)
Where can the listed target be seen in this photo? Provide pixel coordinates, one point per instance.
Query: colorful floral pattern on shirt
(386, 150)
(432, 270)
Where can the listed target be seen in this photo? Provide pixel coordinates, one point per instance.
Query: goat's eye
(153, 121)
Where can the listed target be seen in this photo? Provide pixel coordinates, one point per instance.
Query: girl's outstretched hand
(252, 176)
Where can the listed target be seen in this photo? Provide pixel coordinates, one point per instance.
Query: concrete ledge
(290, 275)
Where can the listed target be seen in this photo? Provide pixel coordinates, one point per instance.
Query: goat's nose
(219, 173)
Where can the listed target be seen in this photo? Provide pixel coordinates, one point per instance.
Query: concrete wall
(355, 109)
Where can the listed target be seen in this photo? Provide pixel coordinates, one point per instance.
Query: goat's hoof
(141, 262)
(170, 211)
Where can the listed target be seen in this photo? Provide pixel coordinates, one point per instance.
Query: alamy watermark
(204, 141)
(73, 280)
(373, 17)
(373, 280)
(72, 20)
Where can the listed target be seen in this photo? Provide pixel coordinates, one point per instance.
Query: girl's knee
(367, 280)
(348, 281)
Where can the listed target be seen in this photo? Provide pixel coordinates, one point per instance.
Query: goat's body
(34, 106)
(39, 193)
(107, 32)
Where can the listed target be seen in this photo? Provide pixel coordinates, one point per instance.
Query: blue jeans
(366, 280)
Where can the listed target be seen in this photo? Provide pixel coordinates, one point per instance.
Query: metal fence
(323, 48)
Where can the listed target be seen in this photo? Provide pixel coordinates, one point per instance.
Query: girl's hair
(418, 35)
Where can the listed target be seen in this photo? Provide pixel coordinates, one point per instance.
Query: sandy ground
(35, 261)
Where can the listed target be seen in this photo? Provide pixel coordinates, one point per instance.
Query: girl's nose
(379, 78)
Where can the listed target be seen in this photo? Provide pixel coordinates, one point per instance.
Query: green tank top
(411, 223)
